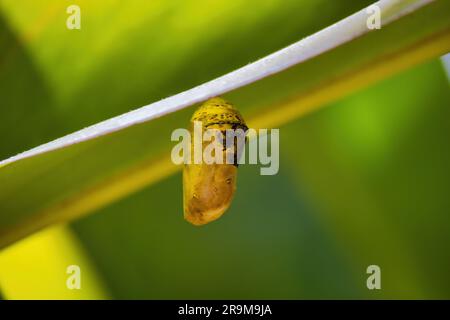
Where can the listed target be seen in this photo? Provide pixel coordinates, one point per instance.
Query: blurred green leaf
(66, 183)
(377, 166)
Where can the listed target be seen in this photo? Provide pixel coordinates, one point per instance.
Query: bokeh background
(363, 181)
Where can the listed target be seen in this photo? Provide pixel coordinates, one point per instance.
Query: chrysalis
(209, 188)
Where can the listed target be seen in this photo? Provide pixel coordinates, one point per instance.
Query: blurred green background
(363, 181)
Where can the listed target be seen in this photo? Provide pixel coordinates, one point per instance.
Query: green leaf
(77, 174)
(376, 166)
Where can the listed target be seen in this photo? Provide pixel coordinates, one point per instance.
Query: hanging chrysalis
(208, 188)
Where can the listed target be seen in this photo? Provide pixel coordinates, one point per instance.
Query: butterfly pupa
(208, 189)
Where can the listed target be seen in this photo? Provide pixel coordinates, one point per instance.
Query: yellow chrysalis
(209, 188)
